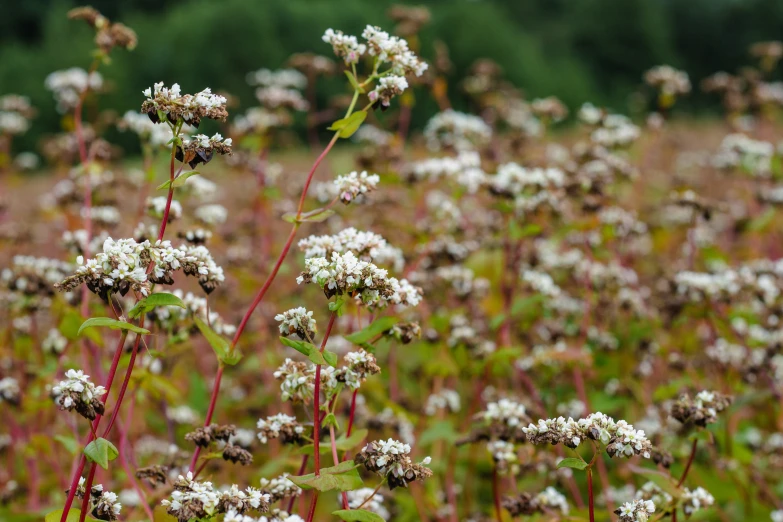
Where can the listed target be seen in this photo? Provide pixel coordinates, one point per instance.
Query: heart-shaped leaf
(101, 451)
(220, 346)
(377, 327)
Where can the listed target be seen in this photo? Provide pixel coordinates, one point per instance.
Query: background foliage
(577, 50)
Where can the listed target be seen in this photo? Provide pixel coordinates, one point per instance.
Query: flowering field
(513, 313)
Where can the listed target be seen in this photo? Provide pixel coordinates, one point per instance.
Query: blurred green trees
(578, 50)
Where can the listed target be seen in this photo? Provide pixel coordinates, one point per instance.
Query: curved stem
(312, 173)
(374, 492)
(337, 461)
(77, 473)
(690, 461)
(210, 412)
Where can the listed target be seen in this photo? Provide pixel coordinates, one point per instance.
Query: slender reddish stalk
(317, 415)
(112, 419)
(83, 460)
(337, 461)
(496, 494)
(690, 461)
(590, 501)
(301, 471)
(312, 172)
(210, 412)
(317, 400)
(352, 414)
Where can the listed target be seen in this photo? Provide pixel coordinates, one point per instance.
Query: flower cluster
(694, 500)
(148, 132)
(359, 497)
(504, 420)
(456, 130)
(504, 455)
(192, 499)
(668, 80)
(355, 184)
(620, 438)
(359, 365)
(281, 426)
(10, 391)
(170, 104)
(701, 409)
(297, 321)
(636, 511)
(127, 265)
(201, 148)
(392, 459)
(156, 206)
(528, 504)
(104, 505)
(69, 85)
(76, 392)
(346, 274)
(367, 246)
(279, 488)
(298, 382)
(445, 399)
(107, 34)
(388, 87)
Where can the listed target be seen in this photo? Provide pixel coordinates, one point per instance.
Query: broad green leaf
(219, 344)
(342, 443)
(572, 463)
(354, 121)
(330, 358)
(378, 326)
(343, 477)
(69, 327)
(149, 303)
(300, 346)
(114, 324)
(314, 216)
(179, 180)
(345, 127)
(359, 515)
(71, 444)
(101, 451)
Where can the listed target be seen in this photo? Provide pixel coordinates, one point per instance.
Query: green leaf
(314, 216)
(153, 301)
(330, 420)
(354, 82)
(345, 127)
(179, 180)
(73, 516)
(343, 477)
(337, 306)
(300, 346)
(378, 326)
(330, 358)
(219, 344)
(71, 444)
(114, 324)
(342, 443)
(101, 451)
(359, 515)
(572, 463)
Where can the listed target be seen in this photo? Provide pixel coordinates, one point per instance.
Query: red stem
(210, 412)
(690, 461)
(83, 460)
(352, 414)
(317, 400)
(312, 172)
(590, 501)
(165, 219)
(337, 460)
(113, 418)
(301, 471)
